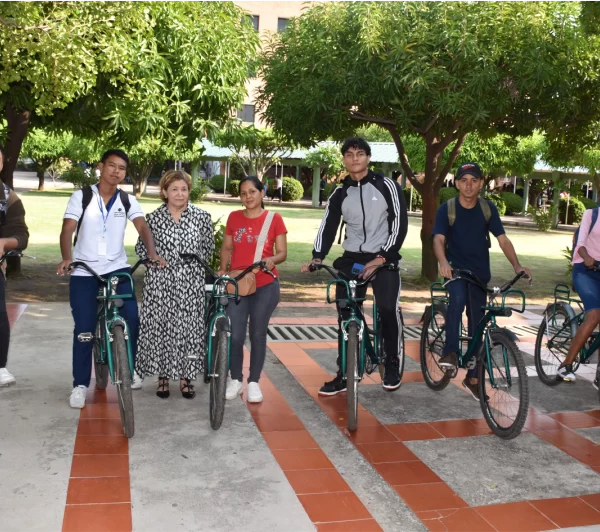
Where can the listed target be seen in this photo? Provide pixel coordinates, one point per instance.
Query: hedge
(514, 202)
(417, 201)
(292, 189)
(217, 183)
(498, 202)
(447, 193)
(233, 188)
(576, 210)
(329, 188)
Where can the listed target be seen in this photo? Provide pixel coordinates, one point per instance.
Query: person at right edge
(463, 243)
(376, 222)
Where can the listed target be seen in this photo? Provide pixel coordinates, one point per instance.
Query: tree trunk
(429, 265)
(18, 125)
(41, 171)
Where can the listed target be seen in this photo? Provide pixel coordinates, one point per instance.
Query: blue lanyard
(108, 207)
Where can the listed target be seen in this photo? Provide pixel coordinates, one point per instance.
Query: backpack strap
(451, 211)
(125, 201)
(485, 207)
(88, 194)
(594, 219)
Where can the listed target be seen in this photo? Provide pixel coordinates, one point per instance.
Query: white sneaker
(77, 399)
(6, 379)
(234, 388)
(565, 374)
(254, 393)
(136, 384)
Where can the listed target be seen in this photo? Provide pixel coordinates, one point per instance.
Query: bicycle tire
(218, 380)
(503, 415)
(100, 369)
(401, 355)
(548, 359)
(432, 344)
(123, 379)
(352, 377)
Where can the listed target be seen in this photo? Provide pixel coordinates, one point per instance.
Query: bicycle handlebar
(470, 277)
(336, 274)
(14, 253)
(260, 264)
(79, 264)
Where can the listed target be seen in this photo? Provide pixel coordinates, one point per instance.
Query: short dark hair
(356, 143)
(119, 153)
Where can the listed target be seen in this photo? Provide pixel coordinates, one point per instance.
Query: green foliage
(514, 202)
(542, 218)
(292, 189)
(219, 232)
(199, 190)
(588, 203)
(576, 210)
(217, 183)
(79, 177)
(329, 188)
(254, 149)
(446, 193)
(567, 253)
(417, 200)
(374, 133)
(234, 188)
(327, 158)
(497, 200)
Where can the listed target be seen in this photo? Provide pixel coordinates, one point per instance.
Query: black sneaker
(334, 387)
(391, 379)
(449, 360)
(473, 389)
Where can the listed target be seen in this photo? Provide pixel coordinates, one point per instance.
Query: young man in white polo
(99, 215)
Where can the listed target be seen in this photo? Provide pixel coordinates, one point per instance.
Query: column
(526, 195)
(316, 186)
(555, 197)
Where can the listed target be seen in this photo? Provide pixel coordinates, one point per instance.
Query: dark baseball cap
(469, 168)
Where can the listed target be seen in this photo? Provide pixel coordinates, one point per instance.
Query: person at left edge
(100, 244)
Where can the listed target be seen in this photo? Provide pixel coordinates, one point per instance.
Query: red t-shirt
(245, 232)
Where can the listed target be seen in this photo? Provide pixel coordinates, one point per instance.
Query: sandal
(163, 387)
(187, 389)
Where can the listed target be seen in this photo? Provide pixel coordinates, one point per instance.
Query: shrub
(234, 188)
(217, 183)
(514, 202)
(498, 202)
(329, 188)
(292, 189)
(417, 201)
(543, 219)
(588, 203)
(446, 193)
(576, 210)
(199, 190)
(79, 177)
(219, 232)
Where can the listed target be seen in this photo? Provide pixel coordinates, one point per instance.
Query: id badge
(102, 247)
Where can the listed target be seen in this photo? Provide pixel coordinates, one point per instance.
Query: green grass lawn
(539, 251)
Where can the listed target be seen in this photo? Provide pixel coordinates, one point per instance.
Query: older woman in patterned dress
(171, 319)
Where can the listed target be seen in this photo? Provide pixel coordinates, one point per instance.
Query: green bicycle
(503, 384)
(356, 339)
(112, 352)
(218, 333)
(555, 334)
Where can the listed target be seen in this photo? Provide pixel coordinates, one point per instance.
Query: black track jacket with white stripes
(375, 214)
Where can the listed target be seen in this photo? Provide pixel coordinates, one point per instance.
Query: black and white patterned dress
(171, 318)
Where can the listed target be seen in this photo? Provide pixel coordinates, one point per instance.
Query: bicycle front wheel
(552, 344)
(503, 386)
(218, 375)
(352, 376)
(100, 366)
(123, 379)
(433, 338)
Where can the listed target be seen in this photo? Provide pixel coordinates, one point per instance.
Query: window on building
(282, 24)
(246, 113)
(254, 20)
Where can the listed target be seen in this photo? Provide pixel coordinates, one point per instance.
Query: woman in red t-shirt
(237, 253)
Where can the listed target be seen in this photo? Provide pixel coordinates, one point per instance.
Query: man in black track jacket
(376, 222)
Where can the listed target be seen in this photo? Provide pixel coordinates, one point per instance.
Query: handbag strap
(262, 238)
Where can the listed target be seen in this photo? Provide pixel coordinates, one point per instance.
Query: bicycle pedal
(85, 337)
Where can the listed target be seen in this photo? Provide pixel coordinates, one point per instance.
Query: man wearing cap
(461, 241)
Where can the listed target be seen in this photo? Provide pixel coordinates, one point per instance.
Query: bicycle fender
(499, 331)
(570, 312)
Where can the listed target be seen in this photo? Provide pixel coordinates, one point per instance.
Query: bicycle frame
(215, 310)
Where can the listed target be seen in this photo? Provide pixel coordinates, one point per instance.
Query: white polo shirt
(110, 254)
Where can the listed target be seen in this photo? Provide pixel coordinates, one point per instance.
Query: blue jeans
(83, 293)
(463, 293)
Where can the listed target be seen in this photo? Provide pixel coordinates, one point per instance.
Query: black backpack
(88, 194)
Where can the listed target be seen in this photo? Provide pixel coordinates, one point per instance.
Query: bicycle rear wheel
(352, 377)
(552, 344)
(100, 367)
(433, 338)
(123, 379)
(505, 400)
(218, 374)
